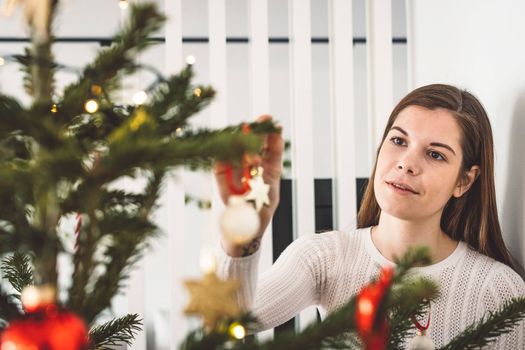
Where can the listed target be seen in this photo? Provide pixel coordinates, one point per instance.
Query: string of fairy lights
(91, 104)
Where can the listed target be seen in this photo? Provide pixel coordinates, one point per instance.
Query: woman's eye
(397, 141)
(436, 155)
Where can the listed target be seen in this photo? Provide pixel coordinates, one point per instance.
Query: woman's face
(418, 164)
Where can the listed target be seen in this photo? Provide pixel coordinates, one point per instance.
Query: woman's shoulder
(498, 279)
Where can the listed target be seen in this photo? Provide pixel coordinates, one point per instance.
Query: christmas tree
(59, 158)
(61, 154)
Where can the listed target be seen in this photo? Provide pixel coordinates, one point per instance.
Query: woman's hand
(270, 159)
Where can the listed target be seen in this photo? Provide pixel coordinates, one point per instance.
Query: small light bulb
(9, 345)
(140, 97)
(237, 330)
(123, 4)
(96, 89)
(30, 298)
(207, 261)
(197, 92)
(2, 61)
(190, 59)
(91, 106)
(54, 108)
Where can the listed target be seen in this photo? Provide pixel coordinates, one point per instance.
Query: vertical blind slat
(260, 101)
(380, 69)
(174, 192)
(342, 95)
(302, 128)
(218, 109)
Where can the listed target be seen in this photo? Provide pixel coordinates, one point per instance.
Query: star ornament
(258, 191)
(212, 299)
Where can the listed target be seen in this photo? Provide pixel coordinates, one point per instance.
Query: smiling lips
(401, 187)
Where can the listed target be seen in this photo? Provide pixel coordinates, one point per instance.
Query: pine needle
(18, 271)
(117, 331)
(488, 329)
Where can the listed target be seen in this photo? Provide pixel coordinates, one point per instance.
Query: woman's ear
(466, 181)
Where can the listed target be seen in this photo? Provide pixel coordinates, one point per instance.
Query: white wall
(478, 45)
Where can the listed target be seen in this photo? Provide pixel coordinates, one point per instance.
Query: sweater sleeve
(503, 285)
(291, 284)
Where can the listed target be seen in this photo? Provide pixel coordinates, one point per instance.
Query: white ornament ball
(421, 342)
(239, 222)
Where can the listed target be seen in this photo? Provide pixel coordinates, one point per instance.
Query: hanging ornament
(50, 329)
(123, 4)
(374, 336)
(45, 326)
(421, 341)
(37, 13)
(258, 190)
(212, 299)
(239, 222)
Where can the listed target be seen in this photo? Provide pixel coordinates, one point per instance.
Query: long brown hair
(473, 217)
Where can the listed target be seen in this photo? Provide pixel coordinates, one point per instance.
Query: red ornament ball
(49, 329)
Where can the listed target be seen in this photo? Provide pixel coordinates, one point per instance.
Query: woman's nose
(408, 165)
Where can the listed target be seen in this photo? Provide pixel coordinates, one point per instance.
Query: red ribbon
(418, 325)
(246, 175)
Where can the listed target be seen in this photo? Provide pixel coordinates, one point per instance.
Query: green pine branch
(118, 331)
(488, 329)
(174, 101)
(18, 271)
(407, 300)
(145, 19)
(9, 308)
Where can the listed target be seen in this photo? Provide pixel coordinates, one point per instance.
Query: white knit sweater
(327, 269)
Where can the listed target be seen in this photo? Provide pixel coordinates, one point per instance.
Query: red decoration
(246, 171)
(367, 307)
(246, 175)
(77, 231)
(48, 329)
(418, 325)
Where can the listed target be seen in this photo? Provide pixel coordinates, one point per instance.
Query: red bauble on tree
(49, 329)
(373, 328)
(45, 326)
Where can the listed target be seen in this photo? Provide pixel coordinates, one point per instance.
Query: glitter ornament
(212, 299)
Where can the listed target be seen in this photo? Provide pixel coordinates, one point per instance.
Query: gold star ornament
(212, 299)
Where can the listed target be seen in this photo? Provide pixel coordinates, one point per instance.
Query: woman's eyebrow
(435, 144)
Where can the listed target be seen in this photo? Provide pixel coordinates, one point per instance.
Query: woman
(432, 185)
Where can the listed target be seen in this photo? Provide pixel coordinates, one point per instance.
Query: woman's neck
(393, 236)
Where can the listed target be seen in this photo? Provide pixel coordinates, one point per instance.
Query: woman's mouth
(401, 188)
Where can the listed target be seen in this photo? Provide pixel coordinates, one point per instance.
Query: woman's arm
(289, 286)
